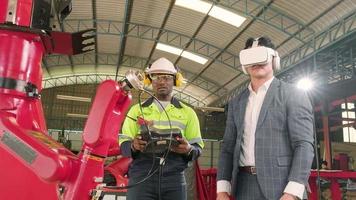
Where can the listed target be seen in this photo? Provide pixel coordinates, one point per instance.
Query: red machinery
(33, 165)
(333, 176)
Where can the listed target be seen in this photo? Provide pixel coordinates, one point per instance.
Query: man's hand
(183, 148)
(287, 196)
(222, 196)
(138, 144)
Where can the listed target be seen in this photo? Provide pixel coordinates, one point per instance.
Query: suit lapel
(271, 92)
(242, 109)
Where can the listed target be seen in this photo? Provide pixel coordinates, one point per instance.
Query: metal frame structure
(193, 37)
(265, 12)
(123, 35)
(345, 28)
(128, 61)
(146, 32)
(271, 16)
(98, 78)
(232, 41)
(160, 32)
(95, 26)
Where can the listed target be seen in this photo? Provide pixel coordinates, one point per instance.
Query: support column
(326, 135)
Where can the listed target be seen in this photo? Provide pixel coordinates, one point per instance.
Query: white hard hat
(162, 65)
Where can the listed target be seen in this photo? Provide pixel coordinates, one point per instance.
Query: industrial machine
(33, 165)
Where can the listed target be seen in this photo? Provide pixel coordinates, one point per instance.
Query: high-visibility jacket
(180, 115)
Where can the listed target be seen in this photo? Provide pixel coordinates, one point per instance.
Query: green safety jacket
(181, 116)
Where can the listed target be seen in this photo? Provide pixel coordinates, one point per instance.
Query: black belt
(19, 85)
(248, 169)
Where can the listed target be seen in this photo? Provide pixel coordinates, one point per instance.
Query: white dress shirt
(247, 154)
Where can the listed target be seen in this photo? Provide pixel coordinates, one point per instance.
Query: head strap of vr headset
(255, 43)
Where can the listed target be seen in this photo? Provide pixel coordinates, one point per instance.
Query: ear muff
(178, 82)
(178, 79)
(147, 80)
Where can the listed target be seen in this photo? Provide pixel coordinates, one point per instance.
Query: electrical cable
(165, 155)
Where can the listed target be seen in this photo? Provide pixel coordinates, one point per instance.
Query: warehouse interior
(316, 41)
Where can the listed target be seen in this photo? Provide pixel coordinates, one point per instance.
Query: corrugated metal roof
(290, 24)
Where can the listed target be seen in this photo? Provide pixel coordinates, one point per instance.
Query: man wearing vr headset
(267, 149)
(168, 182)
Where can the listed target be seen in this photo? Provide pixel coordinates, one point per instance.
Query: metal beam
(195, 34)
(168, 37)
(128, 61)
(309, 23)
(93, 2)
(98, 78)
(123, 38)
(345, 28)
(230, 43)
(44, 65)
(165, 19)
(272, 16)
(339, 30)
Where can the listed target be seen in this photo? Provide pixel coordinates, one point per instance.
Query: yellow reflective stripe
(195, 140)
(173, 123)
(124, 138)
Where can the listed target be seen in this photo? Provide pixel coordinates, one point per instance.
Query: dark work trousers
(248, 187)
(173, 187)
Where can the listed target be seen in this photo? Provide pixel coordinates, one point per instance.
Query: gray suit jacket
(283, 139)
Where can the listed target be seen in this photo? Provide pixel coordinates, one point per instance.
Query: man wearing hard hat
(167, 180)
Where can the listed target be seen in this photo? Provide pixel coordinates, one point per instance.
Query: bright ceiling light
(73, 98)
(227, 16)
(194, 57)
(305, 84)
(169, 49)
(197, 5)
(216, 11)
(77, 115)
(185, 54)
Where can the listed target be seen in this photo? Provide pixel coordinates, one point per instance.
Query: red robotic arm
(33, 165)
(76, 175)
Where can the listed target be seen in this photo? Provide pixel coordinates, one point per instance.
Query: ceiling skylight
(216, 11)
(226, 16)
(77, 115)
(169, 49)
(197, 5)
(194, 57)
(180, 52)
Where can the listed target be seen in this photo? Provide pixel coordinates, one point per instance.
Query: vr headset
(259, 55)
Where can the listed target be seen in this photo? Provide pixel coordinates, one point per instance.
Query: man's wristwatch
(132, 147)
(190, 151)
